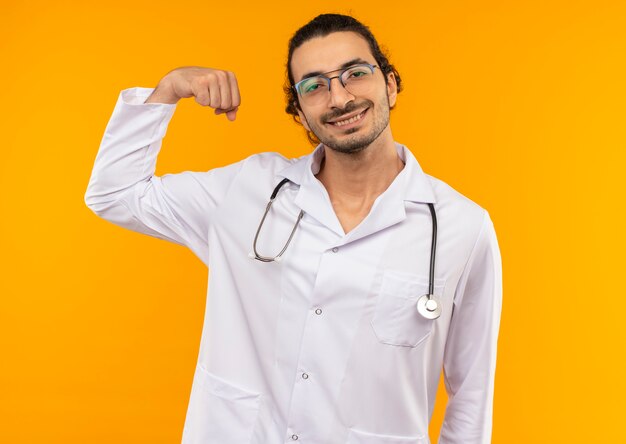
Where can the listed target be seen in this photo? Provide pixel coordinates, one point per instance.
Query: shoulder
(272, 166)
(445, 194)
(268, 160)
(255, 166)
(457, 208)
(262, 171)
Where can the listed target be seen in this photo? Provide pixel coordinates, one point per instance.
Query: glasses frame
(328, 79)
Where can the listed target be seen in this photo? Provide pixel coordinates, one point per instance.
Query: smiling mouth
(349, 121)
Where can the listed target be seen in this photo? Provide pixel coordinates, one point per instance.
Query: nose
(339, 95)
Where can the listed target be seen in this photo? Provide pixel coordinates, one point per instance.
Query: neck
(361, 177)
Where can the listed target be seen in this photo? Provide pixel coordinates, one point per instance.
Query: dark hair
(321, 26)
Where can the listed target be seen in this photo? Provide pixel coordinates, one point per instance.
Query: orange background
(518, 105)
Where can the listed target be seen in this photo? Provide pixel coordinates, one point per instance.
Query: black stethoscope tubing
(433, 244)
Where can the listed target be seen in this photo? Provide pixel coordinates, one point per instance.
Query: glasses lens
(312, 87)
(358, 78)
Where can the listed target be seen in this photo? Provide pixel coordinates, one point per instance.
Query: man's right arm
(124, 190)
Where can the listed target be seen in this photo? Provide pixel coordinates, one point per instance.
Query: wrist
(163, 93)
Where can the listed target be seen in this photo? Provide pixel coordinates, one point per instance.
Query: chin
(348, 146)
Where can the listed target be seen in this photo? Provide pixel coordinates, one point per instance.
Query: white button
(318, 311)
(335, 250)
(294, 437)
(305, 376)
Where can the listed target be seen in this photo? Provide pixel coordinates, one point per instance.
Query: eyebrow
(344, 65)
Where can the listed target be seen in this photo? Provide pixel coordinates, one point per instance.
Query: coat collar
(411, 184)
(417, 187)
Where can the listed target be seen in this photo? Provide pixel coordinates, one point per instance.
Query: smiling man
(332, 309)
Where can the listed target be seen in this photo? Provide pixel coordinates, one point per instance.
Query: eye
(357, 72)
(312, 85)
(310, 88)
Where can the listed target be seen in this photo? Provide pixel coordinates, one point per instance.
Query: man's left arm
(470, 355)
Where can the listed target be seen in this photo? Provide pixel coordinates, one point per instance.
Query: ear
(303, 120)
(392, 89)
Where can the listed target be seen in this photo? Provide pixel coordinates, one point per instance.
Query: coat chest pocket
(396, 320)
(219, 412)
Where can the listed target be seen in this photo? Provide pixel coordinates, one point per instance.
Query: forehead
(322, 54)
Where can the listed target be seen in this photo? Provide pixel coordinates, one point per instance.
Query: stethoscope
(426, 305)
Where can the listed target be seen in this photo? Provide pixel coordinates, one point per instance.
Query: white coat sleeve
(470, 352)
(124, 190)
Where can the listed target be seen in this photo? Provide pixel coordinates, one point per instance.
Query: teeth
(350, 120)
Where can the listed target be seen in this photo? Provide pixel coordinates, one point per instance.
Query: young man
(332, 311)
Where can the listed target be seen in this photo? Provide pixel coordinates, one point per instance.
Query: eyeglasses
(356, 79)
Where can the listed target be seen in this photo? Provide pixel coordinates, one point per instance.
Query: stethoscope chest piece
(428, 307)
